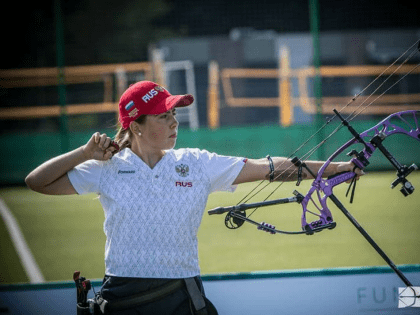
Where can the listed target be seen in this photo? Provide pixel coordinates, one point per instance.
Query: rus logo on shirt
(183, 184)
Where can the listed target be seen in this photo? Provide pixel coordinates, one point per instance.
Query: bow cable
(364, 108)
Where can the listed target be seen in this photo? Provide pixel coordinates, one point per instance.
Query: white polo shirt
(152, 215)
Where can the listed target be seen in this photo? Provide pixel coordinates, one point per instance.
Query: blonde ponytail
(124, 136)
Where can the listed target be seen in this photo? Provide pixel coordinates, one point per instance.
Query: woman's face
(160, 131)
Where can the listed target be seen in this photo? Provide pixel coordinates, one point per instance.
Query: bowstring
(308, 154)
(355, 113)
(364, 108)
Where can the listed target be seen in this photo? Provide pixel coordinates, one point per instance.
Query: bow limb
(372, 139)
(270, 228)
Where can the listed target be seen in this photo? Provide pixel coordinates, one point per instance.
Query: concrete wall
(367, 290)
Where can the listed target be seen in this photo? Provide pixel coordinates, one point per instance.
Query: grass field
(65, 232)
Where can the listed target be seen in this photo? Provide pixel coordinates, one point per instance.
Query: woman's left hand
(349, 167)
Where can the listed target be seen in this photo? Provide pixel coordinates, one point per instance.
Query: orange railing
(285, 100)
(21, 78)
(384, 105)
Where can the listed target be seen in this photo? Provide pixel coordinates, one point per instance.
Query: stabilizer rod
(352, 130)
(219, 210)
(370, 240)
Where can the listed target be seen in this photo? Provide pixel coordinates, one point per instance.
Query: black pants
(176, 303)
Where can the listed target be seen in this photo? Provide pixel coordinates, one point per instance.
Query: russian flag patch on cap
(129, 105)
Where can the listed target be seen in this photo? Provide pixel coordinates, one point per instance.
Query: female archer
(154, 197)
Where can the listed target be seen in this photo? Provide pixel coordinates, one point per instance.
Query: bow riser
(325, 216)
(325, 186)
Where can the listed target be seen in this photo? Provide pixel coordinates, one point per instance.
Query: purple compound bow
(371, 139)
(405, 123)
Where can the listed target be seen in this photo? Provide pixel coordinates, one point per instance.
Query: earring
(139, 133)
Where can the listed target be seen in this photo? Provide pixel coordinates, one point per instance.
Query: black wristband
(271, 174)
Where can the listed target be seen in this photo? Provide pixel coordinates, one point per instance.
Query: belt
(196, 296)
(154, 295)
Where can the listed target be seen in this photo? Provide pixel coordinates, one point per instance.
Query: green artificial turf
(65, 232)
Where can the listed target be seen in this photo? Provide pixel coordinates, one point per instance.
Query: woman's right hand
(51, 176)
(99, 147)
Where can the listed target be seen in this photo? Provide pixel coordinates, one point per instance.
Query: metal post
(158, 62)
(285, 100)
(314, 24)
(59, 33)
(213, 103)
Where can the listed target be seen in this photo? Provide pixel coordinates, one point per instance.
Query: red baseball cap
(148, 98)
